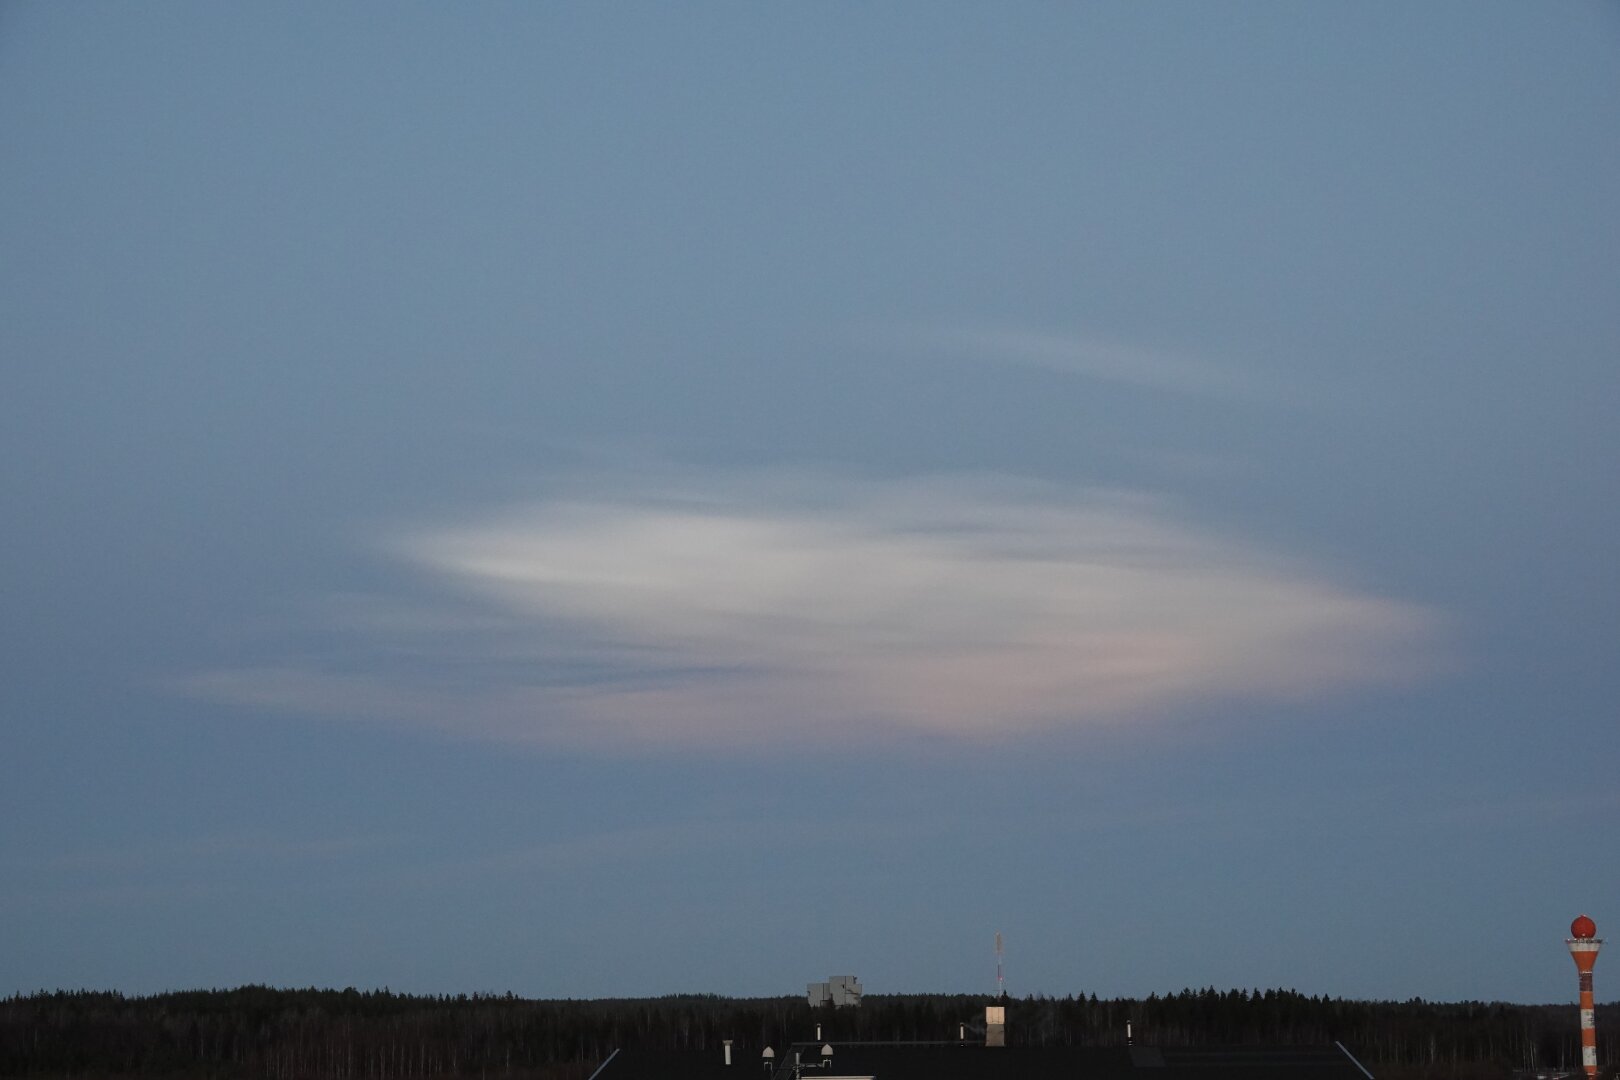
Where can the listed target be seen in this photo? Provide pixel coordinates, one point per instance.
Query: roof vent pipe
(727, 1044)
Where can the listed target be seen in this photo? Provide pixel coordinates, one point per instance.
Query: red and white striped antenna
(1583, 945)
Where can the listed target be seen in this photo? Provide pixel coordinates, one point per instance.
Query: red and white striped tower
(1583, 945)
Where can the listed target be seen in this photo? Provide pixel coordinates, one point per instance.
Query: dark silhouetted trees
(260, 1032)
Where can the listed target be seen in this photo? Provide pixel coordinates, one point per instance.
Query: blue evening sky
(615, 499)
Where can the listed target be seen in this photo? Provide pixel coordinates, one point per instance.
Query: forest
(256, 1031)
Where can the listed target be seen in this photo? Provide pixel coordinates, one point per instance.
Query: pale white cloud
(785, 608)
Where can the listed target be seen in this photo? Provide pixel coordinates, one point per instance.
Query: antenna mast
(1001, 982)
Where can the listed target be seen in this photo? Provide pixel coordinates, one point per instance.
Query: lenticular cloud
(786, 610)
(781, 609)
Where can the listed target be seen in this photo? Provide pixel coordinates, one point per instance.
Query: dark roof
(954, 1061)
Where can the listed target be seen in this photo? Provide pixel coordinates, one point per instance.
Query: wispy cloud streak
(1091, 357)
(783, 608)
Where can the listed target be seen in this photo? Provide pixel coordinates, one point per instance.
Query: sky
(626, 499)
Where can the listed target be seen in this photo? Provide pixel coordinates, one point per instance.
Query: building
(947, 1061)
(989, 1059)
(839, 991)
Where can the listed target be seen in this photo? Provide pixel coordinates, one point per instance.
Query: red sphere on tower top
(1582, 927)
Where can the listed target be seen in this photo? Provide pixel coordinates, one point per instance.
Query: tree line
(261, 1032)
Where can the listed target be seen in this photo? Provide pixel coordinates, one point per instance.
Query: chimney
(995, 1025)
(727, 1044)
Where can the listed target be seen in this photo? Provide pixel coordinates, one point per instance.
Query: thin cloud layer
(793, 609)
(1091, 357)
